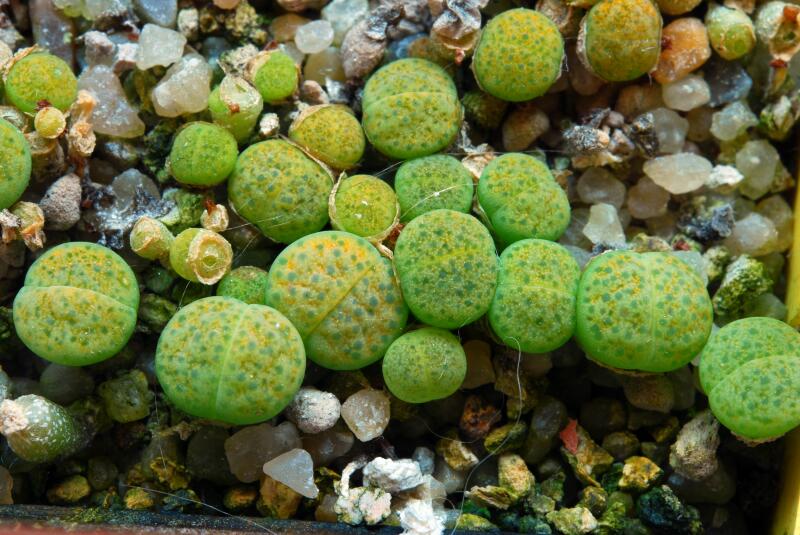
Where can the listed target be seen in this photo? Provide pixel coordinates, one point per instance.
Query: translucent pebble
(161, 12)
(247, 450)
(453, 480)
(329, 445)
(678, 173)
(184, 88)
(284, 27)
(479, 364)
(780, 213)
(50, 27)
(366, 413)
(696, 261)
(757, 161)
(598, 185)
(732, 121)
(766, 305)
(343, 15)
(314, 37)
(686, 94)
(581, 256)
(724, 178)
(295, 469)
(112, 114)
(671, 130)
(293, 52)
(754, 235)
(647, 199)
(574, 233)
(603, 225)
(159, 46)
(728, 81)
(324, 66)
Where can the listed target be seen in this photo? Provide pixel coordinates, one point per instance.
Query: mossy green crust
(533, 309)
(15, 164)
(38, 77)
(330, 133)
(424, 365)
(620, 40)
(280, 190)
(730, 31)
(447, 266)
(222, 359)
(642, 311)
(78, 305)
(364, 205)
(203, 154)
(342, 297)
(430, 183)
(411, 109)
(277, 77)
(519, 55)
(750, 370)
(247, 284)
(522, 199)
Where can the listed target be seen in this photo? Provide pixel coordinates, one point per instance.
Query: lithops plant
(750, 370)
(330, 133)
(280, 190)
(430, 183)
(78, 305)
(222, 359)
(364, 205)
(274, 74)
(522, 200)
(151, 239)
(519, 55)
(730, 31)
(203, 154)
(245, 283)
(424, 365)
(36, 77)
(15, 164)
(236, 106)
(642, 311)
(342, 296)
(200, 255)
(620, 40)
(533, 309)
(410, 109)
(447, 266)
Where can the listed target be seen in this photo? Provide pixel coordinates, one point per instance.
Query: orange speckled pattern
(330, 133)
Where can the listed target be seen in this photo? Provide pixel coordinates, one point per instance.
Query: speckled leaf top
(642, 311)
(280, 190)
(447, 266)
(203, 154)
(621, 39)
(341, 295)
(410, 109)
(15, 164)
(750, 370)
(430, 183)
(522, 199)
(78, 305)
(519, 55)
(41, 76)
(331, 133)
(533, 309)
(364, 205)
(222, 359)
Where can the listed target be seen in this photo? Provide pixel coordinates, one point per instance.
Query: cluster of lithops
(523, 267)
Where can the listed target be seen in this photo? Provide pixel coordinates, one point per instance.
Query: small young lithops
(430, 183)
(245, 283)
(151, 239)
(447, 266)
(222, 359)
(200, 255)
(750, 371)
(519, 55)
(330, 133)
(274, 74)
(522, 200)
(620, 40)
(203, 154)
(279, 189)
(78, 305)
(364, 205)
(236, 106)
(424, 365)
(533, 309)
(342, 296)
(15, 164)
(411, 109)
(642, 311)
(37, 77)
(730, 31)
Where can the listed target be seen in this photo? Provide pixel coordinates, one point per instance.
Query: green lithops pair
(15, 164)
(430, 183)
(750, 370)
(411, 109)
(447, 266)
(533, 309)
(642, 311)
(364, 205)
(342, 296)
(620, 40)
(38, 78)
(275, 75)
(424, 365)
(78, 305)
(247, 284)
(280, 190)
(330, 133)
(519, 55)
(223, 359)
(522, 200)
(203, 154)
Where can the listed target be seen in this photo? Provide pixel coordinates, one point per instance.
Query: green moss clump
(364, 205)
(78, 305)
(40, 77)
(247, 284)
(203, 154)
(330, 133)
(433, 182)
(341, 295)
(275, 76)
(15, 164)
(642, 311)
(222, 359)
(424, 365)
(447, 266)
